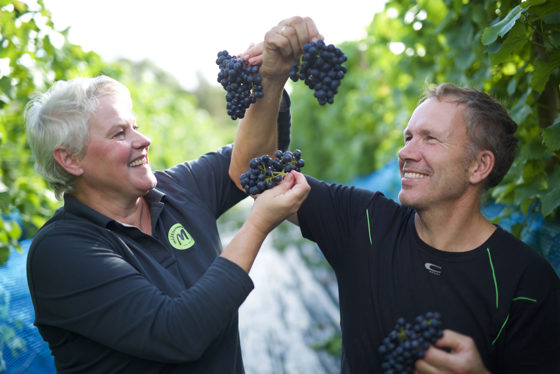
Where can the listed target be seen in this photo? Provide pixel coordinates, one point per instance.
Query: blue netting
(23, 349)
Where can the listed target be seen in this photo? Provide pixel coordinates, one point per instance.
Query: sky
(183, 37)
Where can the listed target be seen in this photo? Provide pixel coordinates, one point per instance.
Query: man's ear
(481, 166)
(67, 160)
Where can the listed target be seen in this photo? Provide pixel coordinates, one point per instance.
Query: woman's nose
(140, 140)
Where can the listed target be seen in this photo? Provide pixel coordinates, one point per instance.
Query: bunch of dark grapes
(241, 81)
(320, 67)
(407, 342)
(266, 172)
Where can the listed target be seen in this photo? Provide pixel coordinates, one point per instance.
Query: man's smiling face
(434, 159)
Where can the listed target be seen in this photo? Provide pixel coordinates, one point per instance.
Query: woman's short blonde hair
(60, 117)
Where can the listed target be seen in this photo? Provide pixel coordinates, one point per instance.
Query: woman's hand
(277, 204)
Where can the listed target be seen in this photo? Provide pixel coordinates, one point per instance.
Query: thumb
(287, 183)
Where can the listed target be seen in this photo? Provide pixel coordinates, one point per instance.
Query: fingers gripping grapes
(320, 67)
(265, 172)
(408, 342)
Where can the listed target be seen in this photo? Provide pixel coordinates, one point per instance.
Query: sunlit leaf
(516, 39)
(501, 28)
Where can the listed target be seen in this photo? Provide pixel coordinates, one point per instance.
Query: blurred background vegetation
(509, 49)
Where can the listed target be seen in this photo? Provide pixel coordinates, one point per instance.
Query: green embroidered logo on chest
(179, 237)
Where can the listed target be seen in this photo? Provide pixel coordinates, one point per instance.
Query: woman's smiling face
(116, 158)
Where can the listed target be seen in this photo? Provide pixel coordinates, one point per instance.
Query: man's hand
(282, 46)
(461, 357)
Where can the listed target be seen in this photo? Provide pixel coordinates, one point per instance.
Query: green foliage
(33, 54)
(22, 45)
(509, 49)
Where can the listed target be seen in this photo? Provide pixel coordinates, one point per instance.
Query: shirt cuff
(284, 123)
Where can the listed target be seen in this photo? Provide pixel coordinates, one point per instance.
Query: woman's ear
(67, 160)
(481, 166)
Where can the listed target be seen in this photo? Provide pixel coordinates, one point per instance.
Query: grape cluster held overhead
(241, 81)
(320, 68)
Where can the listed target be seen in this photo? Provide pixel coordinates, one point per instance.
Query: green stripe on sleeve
(519, 298)
(524, 298)
(501, 328)
(493, 276)
(368, 227)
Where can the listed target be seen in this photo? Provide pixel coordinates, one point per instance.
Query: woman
(129, 275)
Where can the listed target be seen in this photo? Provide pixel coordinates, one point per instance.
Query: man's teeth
(413, 175)
(138, 162)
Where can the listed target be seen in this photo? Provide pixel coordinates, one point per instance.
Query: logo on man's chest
(433, 268)
(179, 237)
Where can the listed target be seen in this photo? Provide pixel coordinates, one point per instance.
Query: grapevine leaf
(14, 230)
(543, 69)
(533, 150)
(526, 204)
(551, 198)
(6, 86)
(521, 109)
(551, 135)
(516, 229)
(516, 39)
(512, 85)
(541, 8)
(501, 28)
(4, 253)
(528, 191)
(520, 112)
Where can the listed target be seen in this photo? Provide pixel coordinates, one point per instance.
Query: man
(498, 299)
